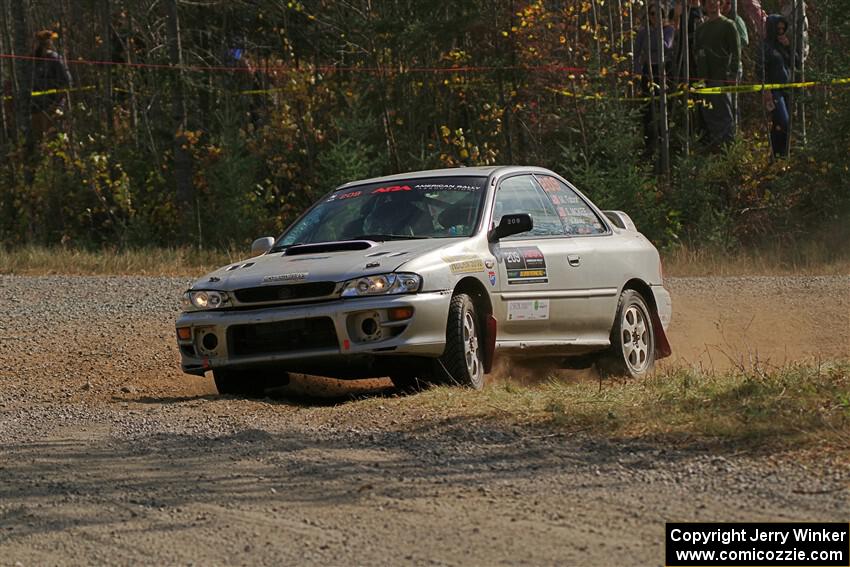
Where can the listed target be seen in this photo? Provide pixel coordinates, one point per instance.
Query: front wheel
(463, 357)
(632, 350)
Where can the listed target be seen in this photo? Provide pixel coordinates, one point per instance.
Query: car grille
(291, 292)
(282, 337)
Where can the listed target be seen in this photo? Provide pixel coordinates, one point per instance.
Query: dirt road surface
(108, 454)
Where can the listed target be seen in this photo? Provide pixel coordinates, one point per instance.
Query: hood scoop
(343, 246)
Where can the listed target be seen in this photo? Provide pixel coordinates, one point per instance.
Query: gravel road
(108, 454)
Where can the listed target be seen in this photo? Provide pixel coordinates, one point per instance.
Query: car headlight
(384, 284)
(203, 300)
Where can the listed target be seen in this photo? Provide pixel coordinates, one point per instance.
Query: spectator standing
(743, 34)
(647, 62)
(49, 73)
(776, 69)
(718, 57)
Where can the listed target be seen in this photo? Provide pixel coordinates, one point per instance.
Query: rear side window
(520, 194)
(574, 212)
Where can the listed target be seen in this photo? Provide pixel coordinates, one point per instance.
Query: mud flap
(490, 344)
(662, 345)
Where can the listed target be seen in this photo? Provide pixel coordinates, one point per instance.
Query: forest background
(209, 123)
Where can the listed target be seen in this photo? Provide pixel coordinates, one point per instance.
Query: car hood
(318, 265)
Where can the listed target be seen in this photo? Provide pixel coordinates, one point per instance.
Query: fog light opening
(210, 341)
(369, 326)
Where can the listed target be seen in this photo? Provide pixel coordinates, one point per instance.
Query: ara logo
(392, 189)
(492, 275)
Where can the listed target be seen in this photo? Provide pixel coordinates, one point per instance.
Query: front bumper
(217, 339)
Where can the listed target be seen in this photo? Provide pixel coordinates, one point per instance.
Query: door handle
(574, 260)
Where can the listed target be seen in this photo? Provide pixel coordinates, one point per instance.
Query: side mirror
(262, 245)
(511, 224)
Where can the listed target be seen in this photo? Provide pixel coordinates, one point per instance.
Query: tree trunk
(107, 50)
(21, 69)
(185, 191)
(5, 79)
(662, 98)
(129, 48)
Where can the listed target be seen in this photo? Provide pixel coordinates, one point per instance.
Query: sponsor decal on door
(529, 310)
(525, 265)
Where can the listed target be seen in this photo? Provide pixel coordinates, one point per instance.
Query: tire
(249, 383)
(463, 357)
(632, 350)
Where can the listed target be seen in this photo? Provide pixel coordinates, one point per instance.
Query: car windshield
(437, 207)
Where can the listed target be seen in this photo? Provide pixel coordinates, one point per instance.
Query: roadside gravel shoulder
(108, 454)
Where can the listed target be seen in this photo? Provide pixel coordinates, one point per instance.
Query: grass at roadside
(806, 259)
(144, 261)
(187, 261)
(795, 407)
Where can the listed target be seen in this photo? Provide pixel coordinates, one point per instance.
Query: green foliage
(324, 93)
(351, 155)
(702, 189)
(604, 157)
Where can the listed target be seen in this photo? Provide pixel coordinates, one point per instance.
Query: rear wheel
(632, 351)
(463, 357)
(250, 383)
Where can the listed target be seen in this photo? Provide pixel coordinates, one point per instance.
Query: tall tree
(21, 68)
(185, 191)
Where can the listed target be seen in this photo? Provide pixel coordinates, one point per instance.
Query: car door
(533, 268)
(595, 256)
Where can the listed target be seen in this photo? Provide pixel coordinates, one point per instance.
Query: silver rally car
(425, 277)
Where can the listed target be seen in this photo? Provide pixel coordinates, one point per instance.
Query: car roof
(482, 171)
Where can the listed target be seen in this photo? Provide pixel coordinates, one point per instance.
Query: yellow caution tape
(259, 91)
(767, 87)
(703, 90)
(600, 96)
(57, 91)
(54, 91)
(700, 90)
